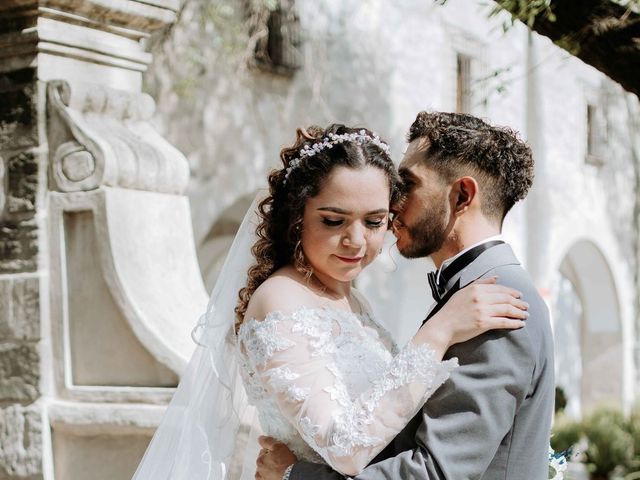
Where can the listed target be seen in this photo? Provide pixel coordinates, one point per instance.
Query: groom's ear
(464, 191)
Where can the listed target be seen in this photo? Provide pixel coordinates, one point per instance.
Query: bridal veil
(198, 437)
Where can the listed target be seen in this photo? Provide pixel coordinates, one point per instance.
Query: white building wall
(377, 63)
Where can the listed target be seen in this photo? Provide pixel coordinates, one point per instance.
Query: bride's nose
(354, 236)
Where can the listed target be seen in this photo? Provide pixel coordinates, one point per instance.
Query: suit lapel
(494, 257)
(498, 256)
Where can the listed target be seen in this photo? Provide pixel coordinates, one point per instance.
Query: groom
(491, 419)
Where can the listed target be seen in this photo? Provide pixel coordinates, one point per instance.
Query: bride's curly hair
(280, 229)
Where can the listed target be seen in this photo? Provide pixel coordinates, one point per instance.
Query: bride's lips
(349, 259)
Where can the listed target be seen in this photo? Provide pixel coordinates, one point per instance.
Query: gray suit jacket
(491, 420)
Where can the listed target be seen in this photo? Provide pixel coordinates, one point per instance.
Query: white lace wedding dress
(332, 385)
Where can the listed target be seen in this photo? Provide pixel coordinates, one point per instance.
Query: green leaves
(612, 441)
(527, 11)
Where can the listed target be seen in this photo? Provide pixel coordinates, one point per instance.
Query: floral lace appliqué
(282, 380)
(261, 339)
(321, 380)
(317, 327)
(309, 432)
(410, 365)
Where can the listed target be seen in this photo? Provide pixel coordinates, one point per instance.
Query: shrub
(610, 445)
(566, 433)
(633, 427)
(612, 441)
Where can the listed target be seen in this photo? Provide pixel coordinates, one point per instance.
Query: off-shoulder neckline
(280, 315)
(303, 308)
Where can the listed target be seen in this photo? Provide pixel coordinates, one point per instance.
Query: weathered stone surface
(19, 170)
(17, 78)
(18, 17)
(111, 145)
(3, 186)
(20, 443)
(18, 109)
(18, 228)
(19, 372)
(22, 183)
(20, 308)
(18, 246)
(105, 457)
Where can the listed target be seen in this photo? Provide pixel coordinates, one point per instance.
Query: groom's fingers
(497, 323)
(500, 289)
(507, 299)
(489, 285)
(506, 310)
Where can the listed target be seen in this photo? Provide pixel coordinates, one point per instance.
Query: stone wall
(99, 283)
(23, 174)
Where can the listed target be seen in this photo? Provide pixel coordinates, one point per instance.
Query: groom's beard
(428, 234)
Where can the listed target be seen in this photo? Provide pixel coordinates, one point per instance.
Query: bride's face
(344, 225)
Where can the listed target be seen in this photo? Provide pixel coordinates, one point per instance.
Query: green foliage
(271, 5)
(610, 445)
(566, 433)
(527, 11)
(633, 427)
(226, 26)
(561, 400)
(211, 36)
(612, 441)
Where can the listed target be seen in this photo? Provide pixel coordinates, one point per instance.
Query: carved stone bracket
(100, 282)
(124, 268)
(101, 136)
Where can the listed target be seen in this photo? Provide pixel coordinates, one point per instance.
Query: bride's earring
(300, 261)
(380, 251)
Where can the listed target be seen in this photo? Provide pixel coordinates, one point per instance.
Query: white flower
(333, 139)
(557, 464)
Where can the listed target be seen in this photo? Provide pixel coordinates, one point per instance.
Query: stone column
(99, 283)
(538, 203)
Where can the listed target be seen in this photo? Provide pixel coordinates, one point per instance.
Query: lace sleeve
(370, 319)
(293, 356)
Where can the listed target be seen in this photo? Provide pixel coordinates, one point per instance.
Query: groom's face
(422, 224)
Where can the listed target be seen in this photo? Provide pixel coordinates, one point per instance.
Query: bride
(301, 344)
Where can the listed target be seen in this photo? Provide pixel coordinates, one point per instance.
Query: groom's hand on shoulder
(273, 460)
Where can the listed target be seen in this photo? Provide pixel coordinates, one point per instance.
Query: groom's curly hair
(460, 144)
(280, 229)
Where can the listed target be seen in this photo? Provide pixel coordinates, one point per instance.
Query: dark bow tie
(437, 288)
(438, 285)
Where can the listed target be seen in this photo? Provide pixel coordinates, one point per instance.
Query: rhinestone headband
(329, 141)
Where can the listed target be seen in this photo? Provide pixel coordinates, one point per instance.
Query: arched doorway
(213, 249)
(588, 330)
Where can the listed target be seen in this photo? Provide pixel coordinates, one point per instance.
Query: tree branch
(602, 33)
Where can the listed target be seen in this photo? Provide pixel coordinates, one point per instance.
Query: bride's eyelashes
(375, 224)
(332, 223)
(372, 224)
